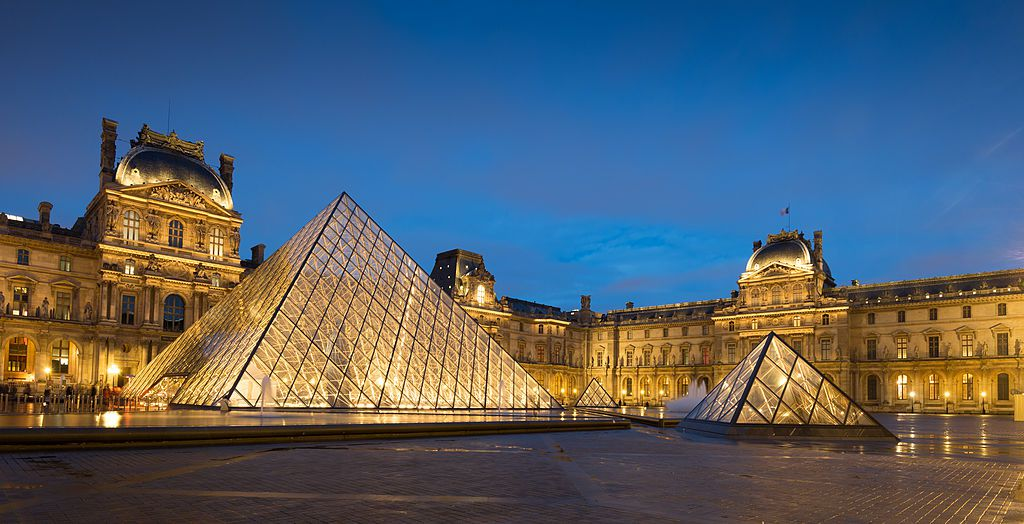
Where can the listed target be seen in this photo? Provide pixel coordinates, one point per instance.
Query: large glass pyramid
(595, 396)
(339, 317)
(775, 392)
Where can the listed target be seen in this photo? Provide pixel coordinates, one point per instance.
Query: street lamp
(947, 402)
(912, 395)
(113, 370)
(983, 395)
(47, 370)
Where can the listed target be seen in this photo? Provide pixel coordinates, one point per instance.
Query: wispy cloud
(1009, 136)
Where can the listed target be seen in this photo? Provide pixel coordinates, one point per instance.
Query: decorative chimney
(629, 305)
(108, 150)
(257, 254)
(227, 170)
(757, 245)
(584, 302)
(44, 214)
(817, 246)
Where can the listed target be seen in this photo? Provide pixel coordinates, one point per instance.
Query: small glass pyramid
(775, 392)
(339, 317)
(595, 396)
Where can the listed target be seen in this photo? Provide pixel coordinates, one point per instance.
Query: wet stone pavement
(946, 469)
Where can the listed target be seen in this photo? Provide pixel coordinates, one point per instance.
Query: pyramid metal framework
(595, 396)
(775, 392)
(340, 317)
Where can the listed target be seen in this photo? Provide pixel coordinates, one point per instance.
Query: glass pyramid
(339, 317)
(775, 392)
(595, 396)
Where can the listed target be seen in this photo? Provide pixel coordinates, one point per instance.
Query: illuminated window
(933, 387)
(901, 347)
(967, 389)
(60, 357)
(215, 280)
(753, 324)
(901, 387)
(23, 257)
(63, 309)
(966, 311)
(871, 318)
(65, 263)
(129, 267)
(629, 387)
(174, 313)
(216, 242)
(826, 319)
(1003, 387)
(901, 316)
(175, 233)
(967, 345)
(684, 386)
(481, 294)
(130, 225)
(1002, 344)
(933, 346)
(797, 321)
(1001, 309)
(17, 355)
(872, 387)
(128, 309)
(933, 313)
(19, 306)
(826, 349)
(776, 295)
(872, 346)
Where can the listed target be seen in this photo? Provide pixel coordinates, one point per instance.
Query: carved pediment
(175, 193)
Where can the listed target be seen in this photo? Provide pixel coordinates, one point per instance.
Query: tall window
(174, 313)
(175, 233)
(540, 330)
(826, 319)
(17, 355)
(129, 267)
(731, 349)
(647, 357)
(933, 346)
(933, 313)
(215, 281)
(686, 330)
(1002, 344)
(664, 332)
(797, 343)
(65, 263)
(872, 349)
(732, 325)
(23, 257)
(872, 387)
(63, 309)
(1003, 387)
(776, 296)
(967, 345)
(130, 225)
(647, 333)
(600, 358)
(705, 329)
(705, 353)
(901, 387)
(967, 391)
(217, 242)
(684, 386)
(933, 387)
(901, 316)
(60, 356)
(796, 322)
(871, 318)
(128, 309)
(664, 356)
(481, 294)
(901, 347)
(826, 349)
(629, 357)
(629, 387)
(19, 303)
(966, 311)
(1001, 309)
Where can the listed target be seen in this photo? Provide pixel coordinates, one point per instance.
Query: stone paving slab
(954, 469)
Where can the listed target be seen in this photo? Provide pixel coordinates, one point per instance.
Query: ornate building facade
(935, 344)
(158, 245)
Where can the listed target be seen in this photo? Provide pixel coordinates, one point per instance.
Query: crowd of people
(57, 397)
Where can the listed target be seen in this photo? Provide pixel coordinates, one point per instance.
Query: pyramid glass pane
(774, 385)
(340, 317)
(595, 396)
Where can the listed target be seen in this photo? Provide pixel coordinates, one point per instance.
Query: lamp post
(113, 371)
(947, 402)
(48, 371)
(912, 395)
(983, 395)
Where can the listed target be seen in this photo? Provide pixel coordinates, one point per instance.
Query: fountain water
(679, 407)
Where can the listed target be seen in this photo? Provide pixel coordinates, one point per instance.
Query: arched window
(174, 313)
(776, 295)
(215, 282)
(129, 267)
(130, 223)
(629, 387)
(216, 242)
(825, 319)
(967, 390)
(1003, 387)
(732, 325)
(175, 234)
(683, 386)
(797, 321)
(872, 388)
(481, 294)
(60, 357)
(901, 387)
(17, 355)
(933, 387)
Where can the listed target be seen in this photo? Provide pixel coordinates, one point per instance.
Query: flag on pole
(784, 212)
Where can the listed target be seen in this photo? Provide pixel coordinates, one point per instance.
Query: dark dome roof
(150, 165)
(791, 252)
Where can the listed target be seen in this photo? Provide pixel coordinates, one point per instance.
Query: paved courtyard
(947, 469)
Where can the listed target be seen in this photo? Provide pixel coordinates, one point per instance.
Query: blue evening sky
(628, 150)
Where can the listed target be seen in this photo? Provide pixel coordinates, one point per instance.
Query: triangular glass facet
(595, 396)
(341, 317)
(774, 385)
